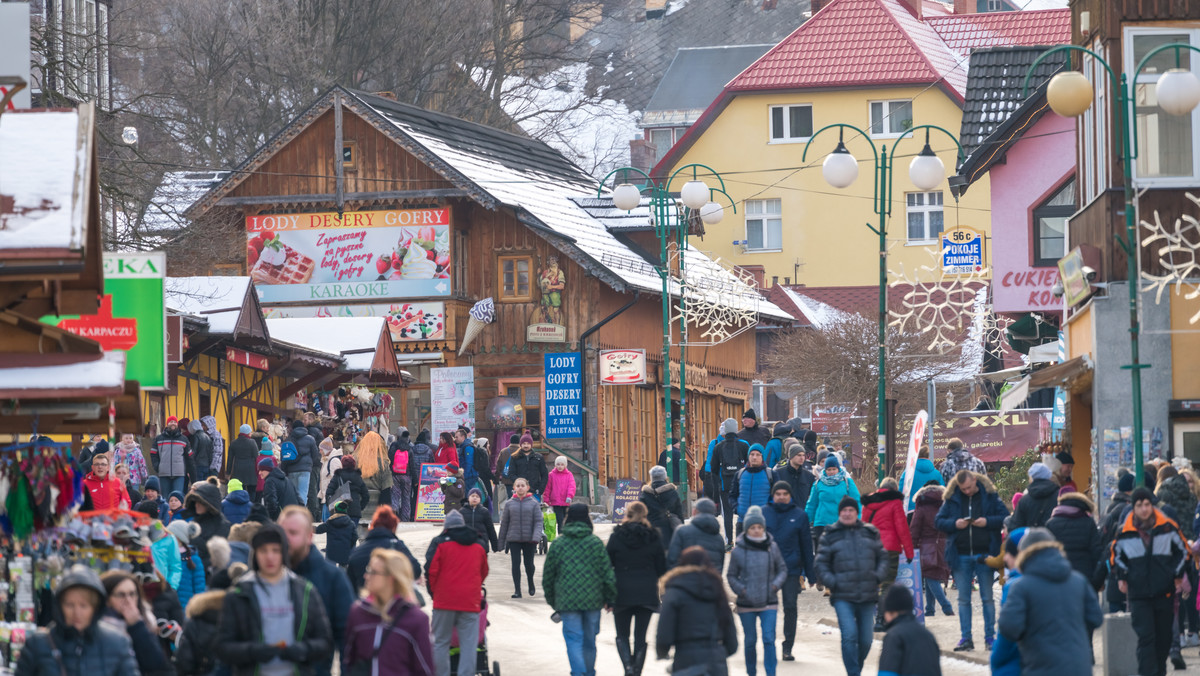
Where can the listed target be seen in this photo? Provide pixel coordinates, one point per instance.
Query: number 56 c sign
(962, 252)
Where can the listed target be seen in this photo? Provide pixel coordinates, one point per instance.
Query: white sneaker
(1191, 641)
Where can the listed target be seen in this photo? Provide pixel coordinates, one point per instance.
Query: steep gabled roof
(997, 112)
(694, 78)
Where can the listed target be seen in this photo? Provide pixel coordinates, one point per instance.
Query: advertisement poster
(628, 490)
(452, 391)
(360, 255)
(406, 321)
(962, 252)
(831, 418)
(622, 367)
(564, 397)
(429, 496)
(908, 575)
(132, 316)
(915, 439)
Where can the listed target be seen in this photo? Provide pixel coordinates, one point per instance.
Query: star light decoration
(938, 306)
(1176, 247)
(720, 306)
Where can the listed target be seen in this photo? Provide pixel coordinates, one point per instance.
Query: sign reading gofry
(622, 367)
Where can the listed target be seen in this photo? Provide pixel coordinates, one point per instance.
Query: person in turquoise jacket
(833, 485)
(923, 474)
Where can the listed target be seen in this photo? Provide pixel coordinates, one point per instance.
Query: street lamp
(1070, 94)
(696, 198)
(926, 172)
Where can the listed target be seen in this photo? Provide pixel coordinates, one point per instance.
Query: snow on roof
(332, 335)
(177, 191)
(45, 164)
(217, 299)
(817, 312)
(107, 372)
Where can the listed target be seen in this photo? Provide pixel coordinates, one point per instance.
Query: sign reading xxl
(330, 258)
(564, 396)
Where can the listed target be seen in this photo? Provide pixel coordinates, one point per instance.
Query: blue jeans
(857, 624)
(750, 631)
(579, 631)
(934, 591)
(967, 569)
(299, 481)
(170, 484)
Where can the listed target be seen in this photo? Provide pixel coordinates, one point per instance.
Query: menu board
(452, 393)
(356, 255)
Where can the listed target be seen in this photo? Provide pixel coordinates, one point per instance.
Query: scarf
(834, 480)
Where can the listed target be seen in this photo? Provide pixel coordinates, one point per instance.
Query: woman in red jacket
(884, 509)
(105, 490)
(446, 452)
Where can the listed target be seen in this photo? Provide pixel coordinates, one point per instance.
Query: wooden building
(507, 220)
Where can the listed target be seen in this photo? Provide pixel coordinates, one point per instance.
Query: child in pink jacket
(560, 489)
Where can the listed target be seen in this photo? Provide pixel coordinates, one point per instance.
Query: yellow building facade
(822, 234)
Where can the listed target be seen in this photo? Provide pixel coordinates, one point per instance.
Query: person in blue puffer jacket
(773, 453)
(753, 485)
(236, 505)
(833, 485)
(1006, 655)
(922, 475)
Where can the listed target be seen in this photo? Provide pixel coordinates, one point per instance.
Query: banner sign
(247, 358)
(564, 397)
(831, 418)
(991, 436)
(622, 367)
(915, 438)
(452, 392)
(962, 252)
(430, 498)
(908, 575)
(360, 255)
(132, 316)
(628, 490)
(406, 321)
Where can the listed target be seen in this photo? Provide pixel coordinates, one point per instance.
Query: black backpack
(729, 456)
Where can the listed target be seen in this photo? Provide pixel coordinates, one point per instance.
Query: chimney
(769, 5)
(966, 6)
(815, 6)
(757, 272)
(642, 154)
(774, 280)
(914, 7)
(655, 9)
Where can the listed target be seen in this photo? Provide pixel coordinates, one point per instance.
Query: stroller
(481, 650)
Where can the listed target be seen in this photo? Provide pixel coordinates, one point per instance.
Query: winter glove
(264, 653)
(296, 652)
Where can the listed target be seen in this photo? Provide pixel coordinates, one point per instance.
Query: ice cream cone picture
(482, 314)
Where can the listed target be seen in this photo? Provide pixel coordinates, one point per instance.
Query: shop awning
(418, 358)
(364, 344)
(1059, 374)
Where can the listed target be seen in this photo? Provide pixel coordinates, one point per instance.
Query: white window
(791, 123)
(924, 211)
(663, 138)
(891, 118)
(764, 225)
(1167, 154)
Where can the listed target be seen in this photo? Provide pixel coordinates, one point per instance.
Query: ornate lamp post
(1070, 94)
(696, 198)
(926, 172)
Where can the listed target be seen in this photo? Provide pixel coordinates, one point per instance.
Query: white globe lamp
(694, 194)
(1178, 91)
(840, 168)
(926, 170)
(627, 197)
(712, 213)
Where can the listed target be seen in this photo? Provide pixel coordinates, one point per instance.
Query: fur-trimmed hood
(219, 552)
(1079, 500)
(693, 585)
(985, 484)
(209, 601)
(882, 495)
(1055, 568)
(647, 488)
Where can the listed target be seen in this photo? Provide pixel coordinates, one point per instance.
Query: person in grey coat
(77, 643)
(520, 532)
(702, 531)
(851, 562)
(756, 573)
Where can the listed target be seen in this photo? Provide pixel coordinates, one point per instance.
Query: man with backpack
(298, 454)
(729, 457)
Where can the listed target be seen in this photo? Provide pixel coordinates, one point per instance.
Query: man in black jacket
(797, 471)
(201, 449)
(701, 531)
(751, 432)
(277, 493)
(528, 465)
(729, 457)
(273, 622)
(299, 469)
(851, 562)
(908, 648)
(1040, 499)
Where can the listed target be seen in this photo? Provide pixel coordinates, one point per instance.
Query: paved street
(523, 638)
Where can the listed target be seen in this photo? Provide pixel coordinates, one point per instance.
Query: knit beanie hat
(245, 429)
(781, 486)
(475, 491)
(1039, 470)
(1065, 458)
(756, 448)
(1125, 483)
(898, 600)
(578, 512)
(1013, 541)
(451, 468)
(658, 473)
(148, 507)
(526, 438)
(235, 485)
(847, 502)
(454, 520)
(831, 460)
(177, 495)
(270, 534)
(266, 447)
(705, 506)
(754, 516)
(267, 464)
(183, 531)
(1141, 493)
(730, 426)
(792, 447)
(750, 414)
(1034, 536)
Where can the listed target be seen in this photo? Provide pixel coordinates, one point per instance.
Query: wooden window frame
(500, 260)
(503, 385)
(352, 165)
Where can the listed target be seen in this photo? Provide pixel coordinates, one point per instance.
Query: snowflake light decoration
(1177, 249)
(994, 328)
(720, 305)
(935, 305)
